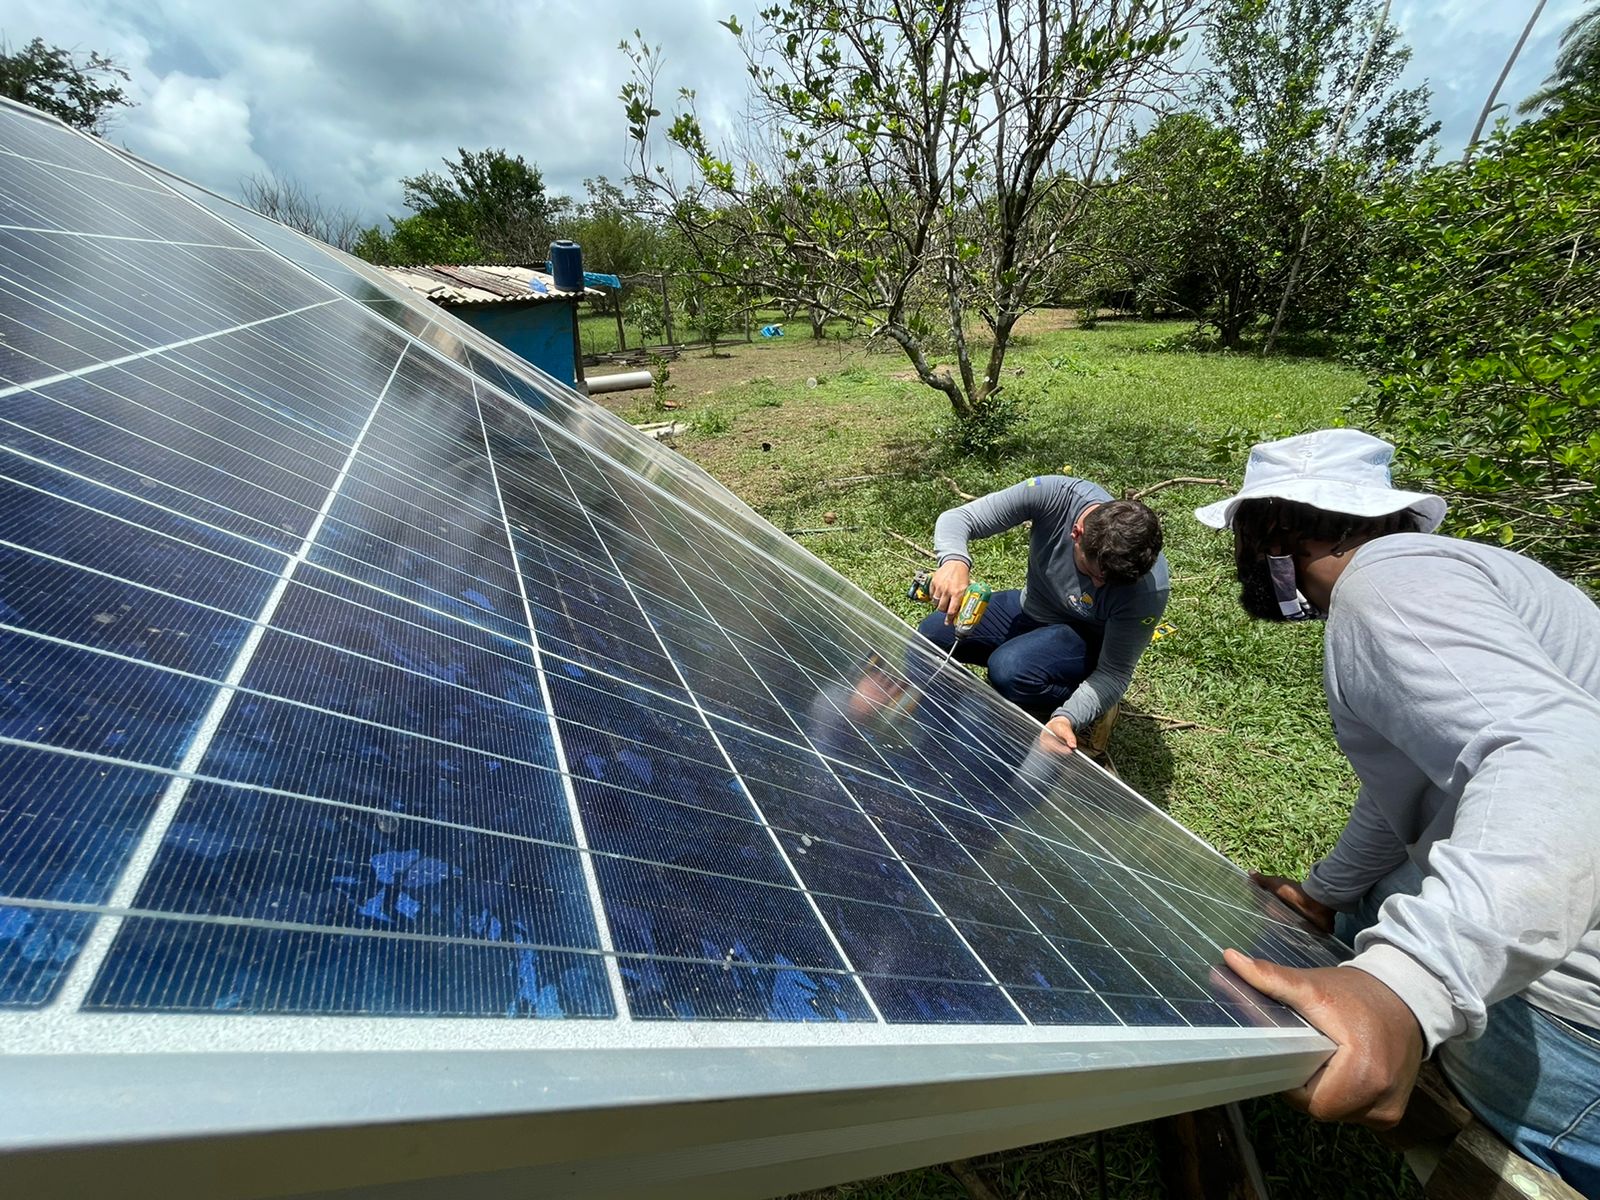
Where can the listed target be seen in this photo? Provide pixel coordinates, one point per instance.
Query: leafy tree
(1573, 87)
(713, 309)
(615, 239)
(84, 94)
(287, 201)
(1478, 319)
(496, 200)
(1301, 116)
(417, 240)
(902, 158)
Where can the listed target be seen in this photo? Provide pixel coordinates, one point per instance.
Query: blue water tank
(566, 266)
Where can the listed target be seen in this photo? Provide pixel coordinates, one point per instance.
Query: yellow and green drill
(967, 615)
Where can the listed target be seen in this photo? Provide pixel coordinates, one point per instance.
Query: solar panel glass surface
(352, 666)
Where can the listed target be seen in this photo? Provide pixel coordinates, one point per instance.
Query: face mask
(1268, 592)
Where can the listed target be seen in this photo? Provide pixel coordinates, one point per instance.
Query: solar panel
(391, 739)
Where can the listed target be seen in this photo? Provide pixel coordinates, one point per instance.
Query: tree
(615, 239)
(499, 201)
(1574, 86)
(1304, 117)
(417, 240)
(1478, 321)
(84, 94)
(913, 165)
(286, 201)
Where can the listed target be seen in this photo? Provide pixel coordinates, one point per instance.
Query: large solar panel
(370, 701)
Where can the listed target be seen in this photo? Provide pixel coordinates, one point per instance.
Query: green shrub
(1477, 321)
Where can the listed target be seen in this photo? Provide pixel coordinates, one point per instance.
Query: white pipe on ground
(622, 381)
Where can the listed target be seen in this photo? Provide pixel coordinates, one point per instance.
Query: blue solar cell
(37, 947)
(191, 966)
(234, 853)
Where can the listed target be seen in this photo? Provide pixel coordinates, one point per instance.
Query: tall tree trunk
(1494, 92)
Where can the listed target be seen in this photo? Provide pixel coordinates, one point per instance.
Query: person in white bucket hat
(1464, 685)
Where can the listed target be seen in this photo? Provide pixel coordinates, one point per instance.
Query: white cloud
(199, 128)
(347, 97)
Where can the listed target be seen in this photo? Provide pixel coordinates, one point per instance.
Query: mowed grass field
(1225, 726)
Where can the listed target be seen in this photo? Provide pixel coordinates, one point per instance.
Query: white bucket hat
(1336, 470)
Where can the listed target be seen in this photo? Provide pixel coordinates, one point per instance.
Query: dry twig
(1130, 494)
(1170, 723)
(956, 489)
(923, 550)
(969, 1179)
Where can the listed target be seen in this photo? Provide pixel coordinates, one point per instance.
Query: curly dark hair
(1122, 538)
(1274, 526)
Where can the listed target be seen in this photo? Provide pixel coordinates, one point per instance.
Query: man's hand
(1294, 895)
(948, 586)
(1379, 1043)
(1057, 737)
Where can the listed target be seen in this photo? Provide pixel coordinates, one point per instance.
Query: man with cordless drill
(1063, 647)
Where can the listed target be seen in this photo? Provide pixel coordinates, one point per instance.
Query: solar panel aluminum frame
(685, 1122)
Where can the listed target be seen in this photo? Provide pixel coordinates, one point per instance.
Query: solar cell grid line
(158, 295)
(959, 841)
(914, 876)
(263, 489)
(580, 838)
(711, 731)
(84, 970)
(103, 364)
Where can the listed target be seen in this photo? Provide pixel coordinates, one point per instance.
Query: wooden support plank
(1479, 1166)
(1203, 1157)
(1458, 1158)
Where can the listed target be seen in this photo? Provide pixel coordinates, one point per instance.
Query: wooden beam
(1204, 1156)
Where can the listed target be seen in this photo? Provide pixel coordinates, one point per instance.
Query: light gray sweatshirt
(1464, 684)
(1056, 592)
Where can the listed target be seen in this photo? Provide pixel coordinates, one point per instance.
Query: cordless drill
(967, 615)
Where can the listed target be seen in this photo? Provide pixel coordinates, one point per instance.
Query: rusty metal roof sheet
(457, 285)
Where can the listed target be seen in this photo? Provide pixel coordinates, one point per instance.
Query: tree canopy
(913, 166)
(488, 206)
(1256, 189)
(1478, 318)
(84, 93)
(496, 199)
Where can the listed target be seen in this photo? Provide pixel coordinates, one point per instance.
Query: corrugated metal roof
(453, 285)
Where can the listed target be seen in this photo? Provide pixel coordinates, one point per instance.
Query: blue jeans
(1034, 665)
(1532, 1077)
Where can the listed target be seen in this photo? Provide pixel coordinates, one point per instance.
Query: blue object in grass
(772, 331)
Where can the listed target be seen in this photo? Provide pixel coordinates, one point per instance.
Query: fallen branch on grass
(1171, 723)
(1182, 480)
(851, 480)
(821, 529)
(969, 1179)
(923, 550)
(956, 489)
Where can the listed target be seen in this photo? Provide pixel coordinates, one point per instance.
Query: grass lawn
(1225, 725)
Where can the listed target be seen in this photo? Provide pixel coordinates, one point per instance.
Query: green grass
(1259, 776)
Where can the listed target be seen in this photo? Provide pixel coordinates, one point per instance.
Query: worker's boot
(1100, 736)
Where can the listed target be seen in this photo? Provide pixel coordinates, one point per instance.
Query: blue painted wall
(540, 333)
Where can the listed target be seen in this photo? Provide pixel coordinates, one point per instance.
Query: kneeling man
(1064, 646)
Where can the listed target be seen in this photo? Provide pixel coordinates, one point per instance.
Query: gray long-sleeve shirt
(1464, 684)
(1056, 592)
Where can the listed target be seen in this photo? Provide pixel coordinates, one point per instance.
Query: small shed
(519, 307)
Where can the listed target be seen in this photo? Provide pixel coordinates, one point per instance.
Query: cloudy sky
(346, 96)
